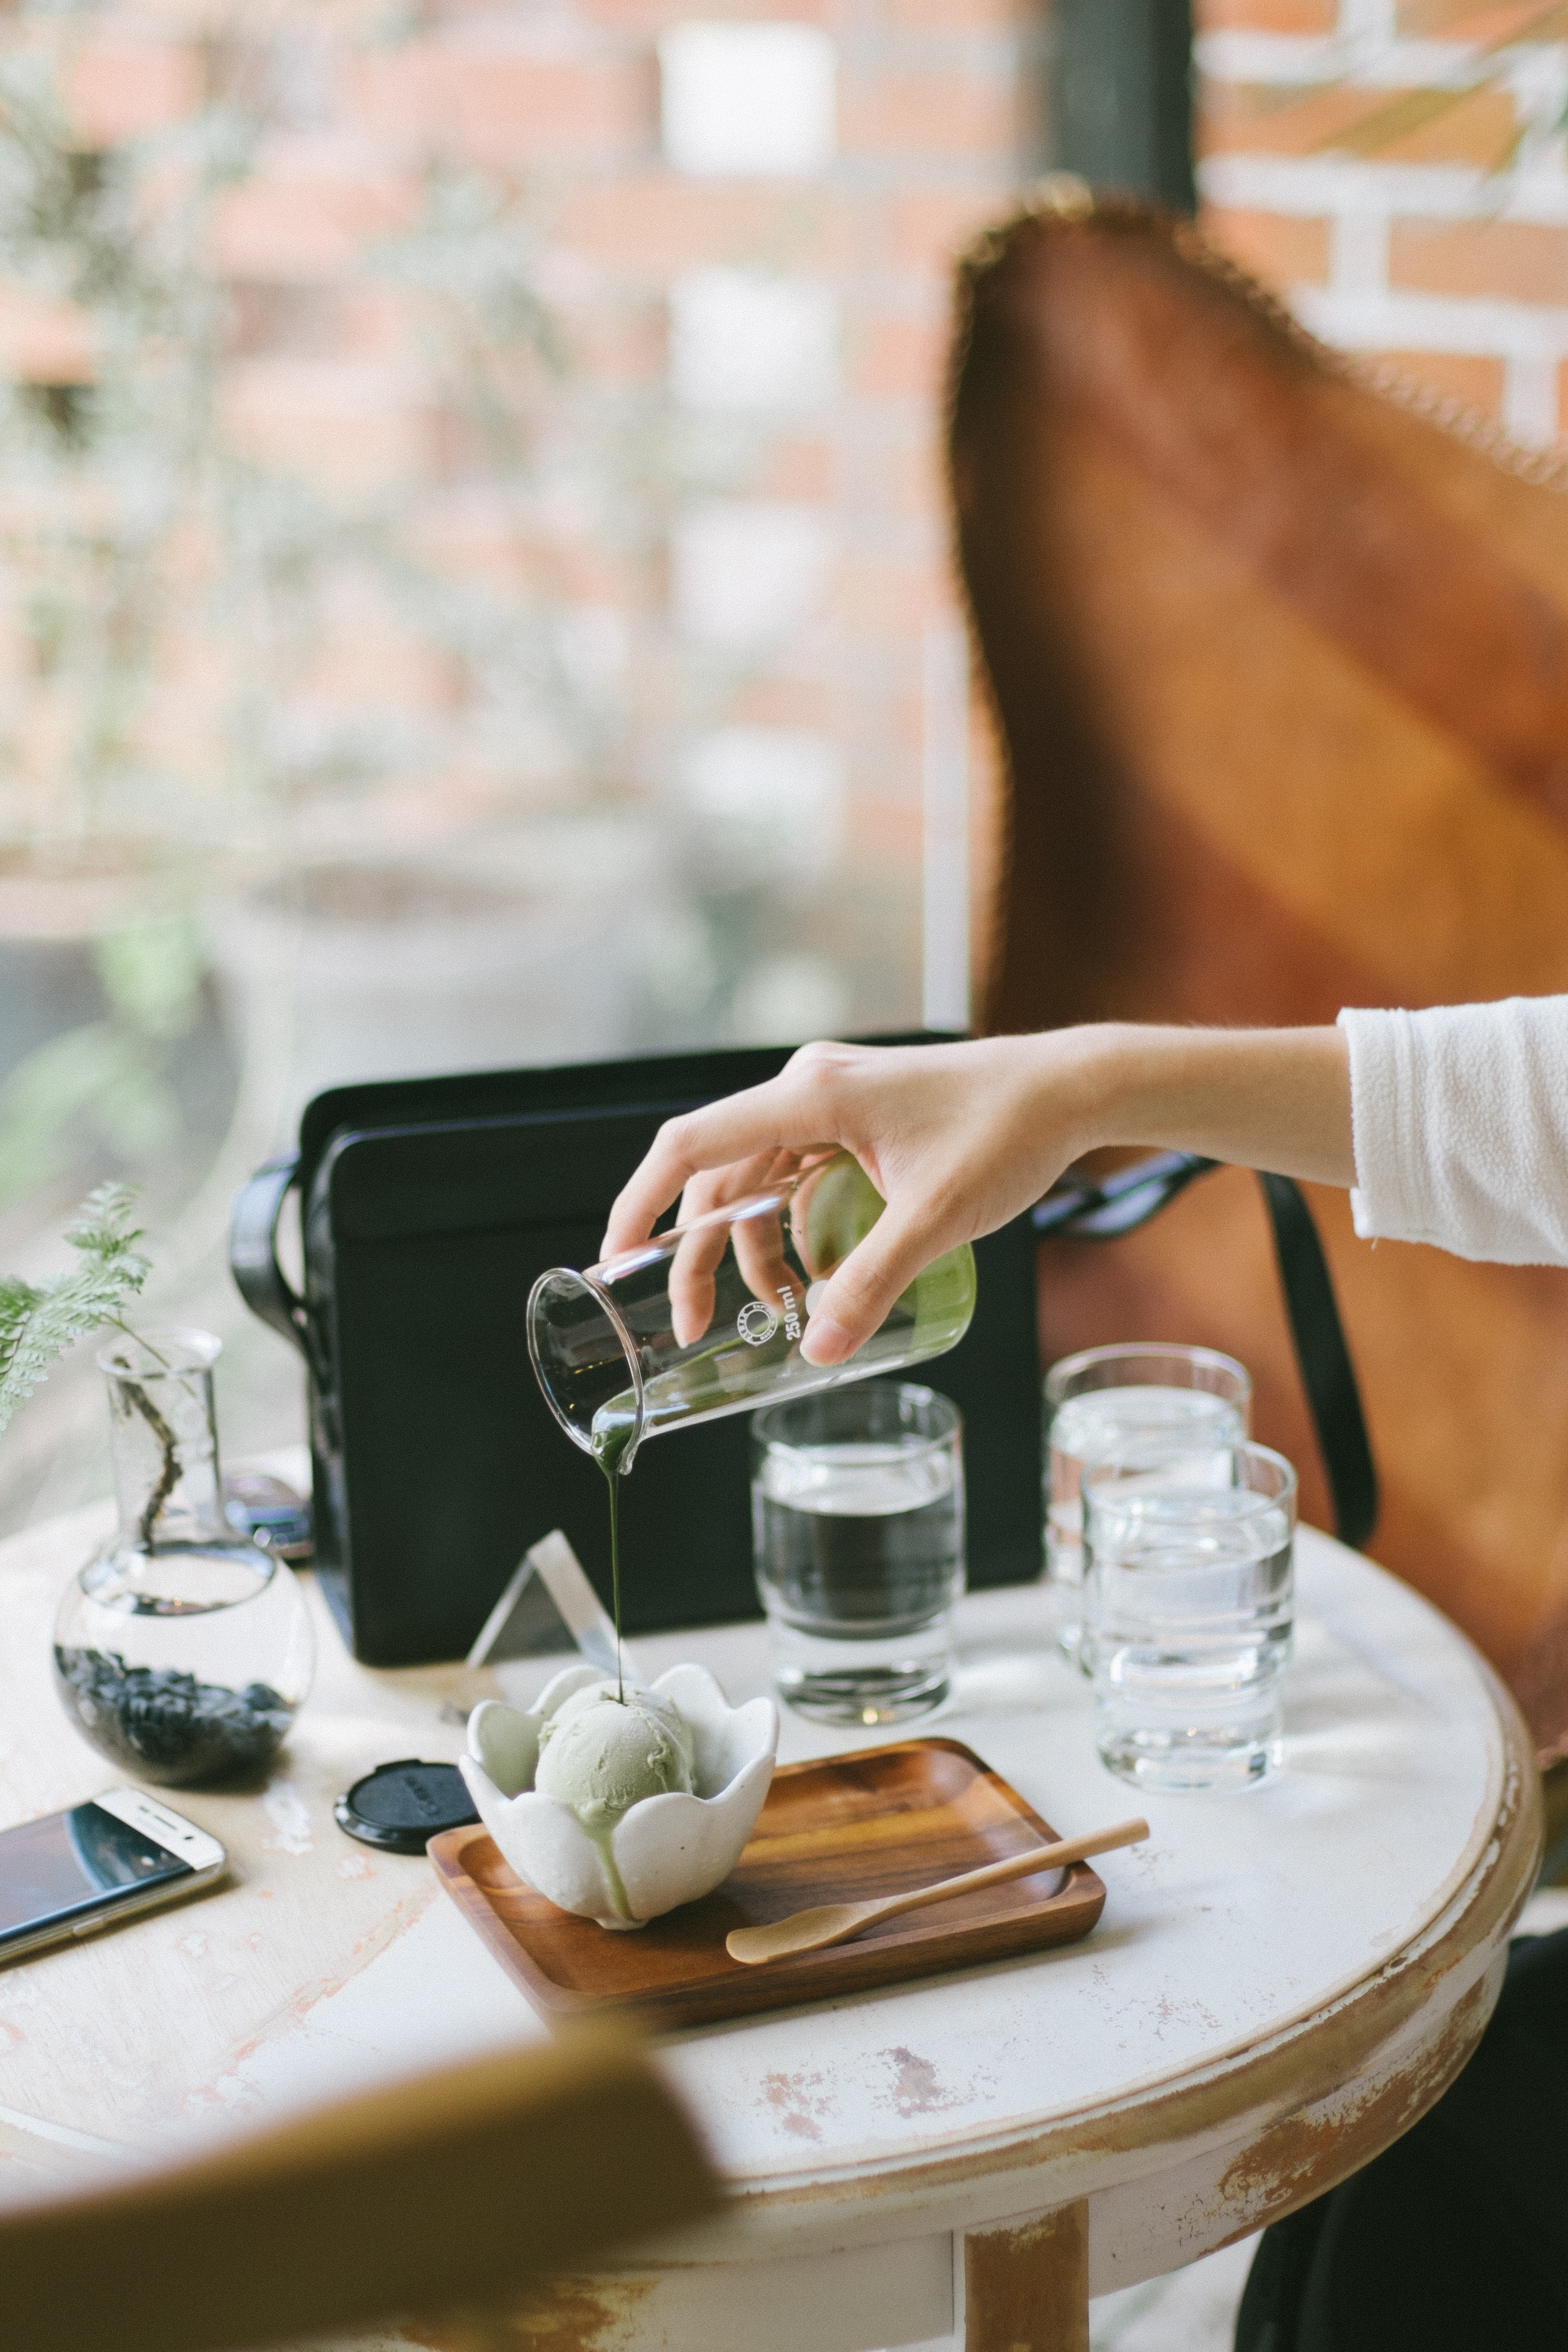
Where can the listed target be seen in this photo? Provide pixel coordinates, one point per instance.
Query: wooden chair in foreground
(446, 2194)
(1279, 656)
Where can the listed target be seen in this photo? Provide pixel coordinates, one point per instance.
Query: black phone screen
(73, 1862)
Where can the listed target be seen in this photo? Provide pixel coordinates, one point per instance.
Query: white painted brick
(747, 98)
(768, 799)
(1368, 19)
(747, 573)
(1289, 59)
(1434, 322)
(1358, 253)
(1529, 400)
(1307, 185)
(744, 338)
(1310, 184)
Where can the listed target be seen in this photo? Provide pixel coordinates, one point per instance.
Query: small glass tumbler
(1111, 1401)
(1189, 1594)
(857, 1538)
(182, 1649)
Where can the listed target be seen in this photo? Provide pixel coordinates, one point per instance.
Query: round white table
(1281, 1982)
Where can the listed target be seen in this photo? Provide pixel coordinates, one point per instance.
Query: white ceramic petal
(673, 1849)
(506, 1742)
(667, 1850)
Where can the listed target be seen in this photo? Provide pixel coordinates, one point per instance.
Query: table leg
(1026, 2290)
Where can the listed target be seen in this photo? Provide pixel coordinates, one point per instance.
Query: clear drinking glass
(709, 1319)
(182, 1649)
(1189, 1597)
(857, 1538)
(1108, 1401)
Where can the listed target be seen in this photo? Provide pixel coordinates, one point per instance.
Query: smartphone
(71, 1874)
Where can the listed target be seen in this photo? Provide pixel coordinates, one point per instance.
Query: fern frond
(39, 1321)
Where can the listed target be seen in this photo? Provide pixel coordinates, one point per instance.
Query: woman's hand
(959, 1138)
(956, 1138)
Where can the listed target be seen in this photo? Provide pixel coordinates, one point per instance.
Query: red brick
(349, 429)
(1414, 126)
(885, 831)
(470, 536)
(889, 598)
(907, 473)
(619, 343)
(1517, 260)
(503, 105)
(893, 358)
(649, 18)
(784, 702)
(927, 228)
(307, 216)
(936, 113)
(1476, 382)
(940, 16)
(43, 340)
(1276, 247)
(1265, 15)
(117, 89)
(801, 467)
(340, 320)
(1462, 20)
(583, 575)
(363, 661)
(376, 323)
(304, 321)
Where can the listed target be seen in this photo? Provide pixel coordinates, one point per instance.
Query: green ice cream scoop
(602, 1755)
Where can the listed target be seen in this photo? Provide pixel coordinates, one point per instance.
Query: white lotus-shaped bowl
(667, 1850)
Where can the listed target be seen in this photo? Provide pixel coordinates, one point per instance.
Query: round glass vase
(182, 1649)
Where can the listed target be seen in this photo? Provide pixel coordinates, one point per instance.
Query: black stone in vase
(167, 1726)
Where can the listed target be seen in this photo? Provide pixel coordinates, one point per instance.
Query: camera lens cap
(400, 1807)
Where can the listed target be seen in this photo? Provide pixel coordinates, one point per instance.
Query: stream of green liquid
(610, 1443)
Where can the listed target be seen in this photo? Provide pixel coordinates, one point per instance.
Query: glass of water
(857, 1536)
(1112, 1402)
(1189, 1597)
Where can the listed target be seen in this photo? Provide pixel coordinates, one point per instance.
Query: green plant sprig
(39, 1321)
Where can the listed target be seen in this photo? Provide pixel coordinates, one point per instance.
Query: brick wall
(1397, 168)
(726, 533)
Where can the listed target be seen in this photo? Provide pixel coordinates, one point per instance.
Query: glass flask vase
(181, 1651)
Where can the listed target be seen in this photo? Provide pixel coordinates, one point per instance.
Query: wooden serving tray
(837, 1830)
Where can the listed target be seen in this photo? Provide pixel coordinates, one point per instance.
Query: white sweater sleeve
(1460, 1127)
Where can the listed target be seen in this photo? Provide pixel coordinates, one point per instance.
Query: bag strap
(1328, 1374)
(253, 1250)
(1081, 1211)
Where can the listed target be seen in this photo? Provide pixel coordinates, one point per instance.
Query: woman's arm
(959, 1138)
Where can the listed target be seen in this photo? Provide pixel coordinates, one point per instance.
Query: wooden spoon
(836, 1923)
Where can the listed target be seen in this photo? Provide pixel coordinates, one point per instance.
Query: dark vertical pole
(1120, 98)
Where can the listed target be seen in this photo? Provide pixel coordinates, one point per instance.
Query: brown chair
(448, 2194)
(1279, 658)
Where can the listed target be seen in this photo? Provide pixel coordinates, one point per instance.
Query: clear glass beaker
(709, 1319)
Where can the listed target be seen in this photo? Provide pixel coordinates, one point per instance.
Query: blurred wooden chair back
(446, 2194)
(1279, 660)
